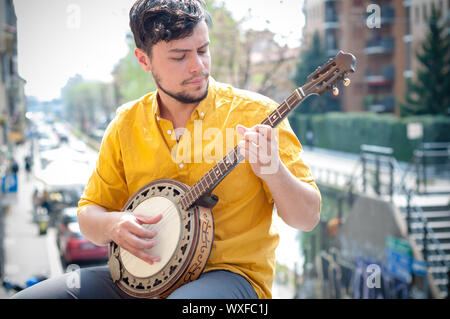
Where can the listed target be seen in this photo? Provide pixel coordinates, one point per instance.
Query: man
(144, 140)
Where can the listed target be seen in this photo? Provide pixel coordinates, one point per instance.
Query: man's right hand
(129, 233)
(125, 229)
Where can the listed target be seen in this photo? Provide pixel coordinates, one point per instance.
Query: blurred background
(380, 150)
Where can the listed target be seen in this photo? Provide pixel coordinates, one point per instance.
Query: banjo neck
(325, 78)
(216, 174)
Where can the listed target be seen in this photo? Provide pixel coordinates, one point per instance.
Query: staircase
(429, 217)
(424, 210)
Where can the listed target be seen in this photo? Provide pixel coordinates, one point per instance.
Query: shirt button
(181, 165)
(202, 115)
(169, 132)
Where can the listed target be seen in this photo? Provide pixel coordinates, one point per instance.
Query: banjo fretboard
(215, 175)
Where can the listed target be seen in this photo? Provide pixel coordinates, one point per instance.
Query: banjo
(186, 232)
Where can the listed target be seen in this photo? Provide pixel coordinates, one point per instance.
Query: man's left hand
(260, 147)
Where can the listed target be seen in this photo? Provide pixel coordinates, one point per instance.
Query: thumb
(241, 129)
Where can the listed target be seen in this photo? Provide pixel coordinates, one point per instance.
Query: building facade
(12, 96)
(384, 35)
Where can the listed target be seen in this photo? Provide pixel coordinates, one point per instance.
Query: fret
(274, 117)
(216, 172)
(212, 180)
(222, 167)
(292, 101)
(232, 158)
(283, 107)
(287, 103)
(271, 124)
(194, 191)
(189, 197)
(228, 159)
(278, 111)
(202, 186)
(239, 157)
(198, 191)
(206, 183)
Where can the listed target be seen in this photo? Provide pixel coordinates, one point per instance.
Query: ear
(143, 59)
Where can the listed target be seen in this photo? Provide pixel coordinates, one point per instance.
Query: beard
(182, 97)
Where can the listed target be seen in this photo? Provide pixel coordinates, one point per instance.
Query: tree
(429, 93)
(227, 50)
(130, 81)
(311, 58)
(88, 103)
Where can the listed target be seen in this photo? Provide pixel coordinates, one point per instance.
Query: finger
(249, 151)
(253, 137)
(241, 129)
(140, 243)
(141, 254)
(142, 219)
(143, 231)
(250, 155)
(266, 131)
(261, 155)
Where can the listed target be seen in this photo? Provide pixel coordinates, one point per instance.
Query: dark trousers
(96, 283)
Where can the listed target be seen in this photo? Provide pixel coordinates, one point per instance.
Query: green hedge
(347, 131)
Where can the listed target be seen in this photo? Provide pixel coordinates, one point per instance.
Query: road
(26, 253)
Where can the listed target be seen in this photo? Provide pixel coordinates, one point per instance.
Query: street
(26, 252)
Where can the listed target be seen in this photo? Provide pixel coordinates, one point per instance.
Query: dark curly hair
(152, 21)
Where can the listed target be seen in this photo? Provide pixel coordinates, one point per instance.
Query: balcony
(331, 18)
(386, 77)
(379, 104)
(7, 37)
(385, 45)
(387, 14)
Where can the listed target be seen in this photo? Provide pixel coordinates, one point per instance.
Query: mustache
(203, 75)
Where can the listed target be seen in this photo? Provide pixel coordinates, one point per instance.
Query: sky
(58, 39)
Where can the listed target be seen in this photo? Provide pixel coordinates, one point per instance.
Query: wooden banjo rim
(174, 282)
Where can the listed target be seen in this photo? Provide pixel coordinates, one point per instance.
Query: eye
(179, 59)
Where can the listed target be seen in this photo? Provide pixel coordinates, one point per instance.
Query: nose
(196, 64)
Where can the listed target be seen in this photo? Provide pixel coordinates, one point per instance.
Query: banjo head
(183, 242)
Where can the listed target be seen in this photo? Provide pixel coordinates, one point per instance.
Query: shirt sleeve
(290, 150)
(107, 185)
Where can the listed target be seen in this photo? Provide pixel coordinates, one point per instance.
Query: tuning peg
(335, 91)
(347, 82)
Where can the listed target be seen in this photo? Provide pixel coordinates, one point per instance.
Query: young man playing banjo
(146, 137)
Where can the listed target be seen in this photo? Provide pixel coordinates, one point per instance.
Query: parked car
(54, 199)
(73, 246)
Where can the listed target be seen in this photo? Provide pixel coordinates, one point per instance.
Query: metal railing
(381, 160)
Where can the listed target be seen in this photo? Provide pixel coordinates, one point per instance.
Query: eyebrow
(187, 50)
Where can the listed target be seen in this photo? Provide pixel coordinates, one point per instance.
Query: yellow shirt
(139, 146)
